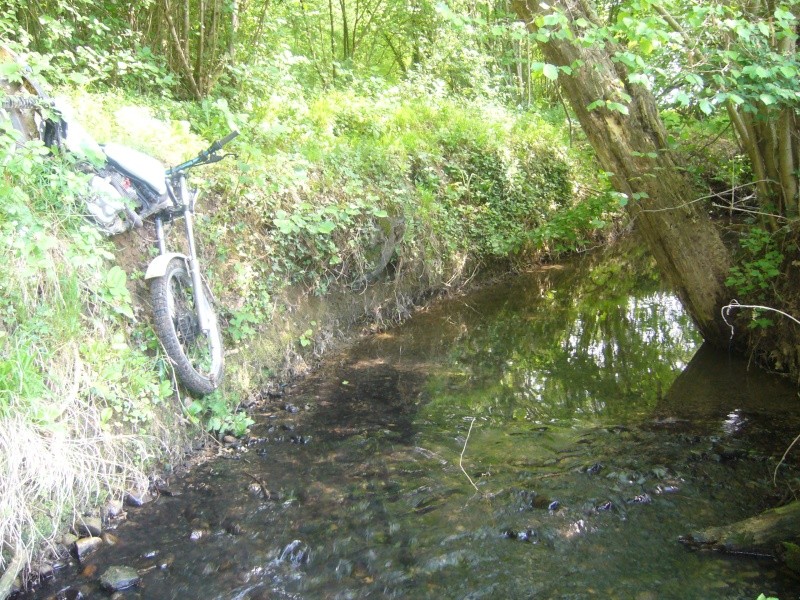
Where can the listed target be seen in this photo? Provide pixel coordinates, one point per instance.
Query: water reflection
(593, 450)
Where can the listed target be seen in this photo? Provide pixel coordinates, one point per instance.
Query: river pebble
(138, 498)
(113, 509)
(85, 546)
(117, 578)
(88, 526)
(295, 553)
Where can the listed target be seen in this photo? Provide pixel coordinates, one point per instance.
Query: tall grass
(65, 443)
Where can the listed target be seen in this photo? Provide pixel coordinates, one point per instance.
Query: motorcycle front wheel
(196, 355)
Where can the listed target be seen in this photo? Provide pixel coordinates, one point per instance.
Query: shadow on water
(599, 435)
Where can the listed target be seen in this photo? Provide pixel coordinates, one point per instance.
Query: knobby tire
(174, 311)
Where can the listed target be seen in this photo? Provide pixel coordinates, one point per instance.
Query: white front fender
(158, 266)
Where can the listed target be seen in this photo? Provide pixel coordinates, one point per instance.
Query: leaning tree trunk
(687, 247)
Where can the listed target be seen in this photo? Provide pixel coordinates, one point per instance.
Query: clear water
(550, 436)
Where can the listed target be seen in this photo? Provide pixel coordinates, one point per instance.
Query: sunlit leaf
(550, 71)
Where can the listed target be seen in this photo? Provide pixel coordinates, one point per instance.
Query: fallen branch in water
(754, 536)
(10, 575)
(463, 450)
(264, 491)
(783, 458)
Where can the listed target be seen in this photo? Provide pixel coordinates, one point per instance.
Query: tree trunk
(687, 247)
(756, 533)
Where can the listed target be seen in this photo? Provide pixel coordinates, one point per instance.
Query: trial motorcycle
(127, 188)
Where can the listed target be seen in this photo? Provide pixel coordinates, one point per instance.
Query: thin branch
(701, 198)
(12, 570)
(461, 459)
(750, 212)
(783, 458)
(735, 304)
(184, 60)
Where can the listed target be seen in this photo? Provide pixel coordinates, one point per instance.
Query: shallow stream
(550, 436)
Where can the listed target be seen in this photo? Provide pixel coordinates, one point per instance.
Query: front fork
(205, 313)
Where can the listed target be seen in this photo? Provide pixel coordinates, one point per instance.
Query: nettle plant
(758, 268)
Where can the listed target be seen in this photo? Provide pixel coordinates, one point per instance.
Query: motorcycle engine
(107, 202)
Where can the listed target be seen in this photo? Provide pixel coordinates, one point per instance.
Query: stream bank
(576, 402)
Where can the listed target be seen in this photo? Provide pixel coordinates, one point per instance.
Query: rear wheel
(196, 355)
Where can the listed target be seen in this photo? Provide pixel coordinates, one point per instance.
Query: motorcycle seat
(138, 165)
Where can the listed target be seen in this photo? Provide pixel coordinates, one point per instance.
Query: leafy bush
(759, 266)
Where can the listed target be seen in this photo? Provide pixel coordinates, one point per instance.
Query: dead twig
(267, 494)
(463, 450)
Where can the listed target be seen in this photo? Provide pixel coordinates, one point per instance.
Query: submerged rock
(594, 469)
(295, 553)
(118, 578)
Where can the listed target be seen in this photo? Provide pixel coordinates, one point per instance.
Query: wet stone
(88, 526)
(70, 593)
(85, 546)
(164, 490)
(295, 553)
(594, 469)
(233, 528)
(138, 498)
(45, 571)
(117, 578)
(109, 538)
(166, 562)
(113, 509)
(541, 502)
(641, 499)
(528, 535)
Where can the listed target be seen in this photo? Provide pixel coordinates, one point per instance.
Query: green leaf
(595, 105)
(11, 71)
(326, 227)
(617, 107)
(115, 278)
(706, 107)
(550, 71)
(683, 98)
(767, 99)
(125, 310)
(286, 226)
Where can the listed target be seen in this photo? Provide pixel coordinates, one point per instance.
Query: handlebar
(206, 156)
(216, 146)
